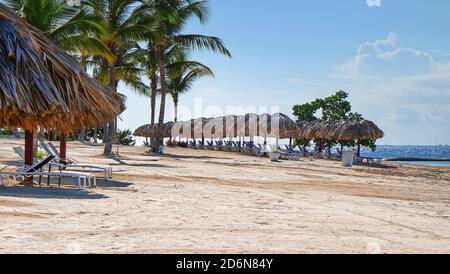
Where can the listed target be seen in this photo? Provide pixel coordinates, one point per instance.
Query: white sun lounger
(71, 163)
(36, 170)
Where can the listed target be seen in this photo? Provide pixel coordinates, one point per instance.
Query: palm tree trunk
(154, 87)
(82, 135)
(175, 109)
(110, 130)
(162, 107)
(95, 136)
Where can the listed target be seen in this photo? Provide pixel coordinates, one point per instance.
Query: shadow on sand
(141, 163)
(101, 182)
(174, 156)
(48, 193)
(381, 166)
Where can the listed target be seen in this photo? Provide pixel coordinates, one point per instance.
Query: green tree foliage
(125, 137)
(333, 108)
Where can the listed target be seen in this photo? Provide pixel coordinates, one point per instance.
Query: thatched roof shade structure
(41, 85)
(355, 130)
(247, 125)
(277, 125)
(264, 124)
(342, 130)
(185, 129)
(197, 127)
(145, 131)
(150, 131)
(313, 130)
(230, 126)
(283, 127)
(215, 128)
(176, 129)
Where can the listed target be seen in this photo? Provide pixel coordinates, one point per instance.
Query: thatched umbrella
(357, 129)
(341, 130)
(264, 124)
(278, 126)
(185, 129)
(41, 85)
(177, 129)
(313, 130)
(230, 126)
(247, 125)
(167, 130)
(145, 130)
(197, 128)
(150, 131)
(283, 127)
(215, 128)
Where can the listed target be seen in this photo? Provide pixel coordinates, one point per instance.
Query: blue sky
(393, 59)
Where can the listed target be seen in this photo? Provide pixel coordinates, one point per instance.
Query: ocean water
(434, 152)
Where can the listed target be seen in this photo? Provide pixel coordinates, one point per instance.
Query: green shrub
(125, 137)
(39, 154)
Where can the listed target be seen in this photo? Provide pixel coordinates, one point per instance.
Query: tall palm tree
(148, 61)
(170, 18)
(71, 28)
(125, 26)
(182, 74)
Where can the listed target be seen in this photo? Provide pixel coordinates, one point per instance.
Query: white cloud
(399, 87)
(384, 58)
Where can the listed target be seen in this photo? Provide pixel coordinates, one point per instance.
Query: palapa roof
(341, 130)
(283, 127)
(231, 126)
(277, 125)
(197, 127)
(356, 130)
(42, 85)
(150, 131)
(247, 125)
(215, 128)
(312, 130)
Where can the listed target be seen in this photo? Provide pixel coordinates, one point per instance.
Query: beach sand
(195, 201)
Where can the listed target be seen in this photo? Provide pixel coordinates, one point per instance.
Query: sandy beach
(195, 201)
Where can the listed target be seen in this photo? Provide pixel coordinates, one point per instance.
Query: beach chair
(247, 148)
(288, 154)
(71, 163)
(219, 145)
(191, 144)
(370, 160)
(258, 150)
(200, 145)
(37, 170)
(21, 153)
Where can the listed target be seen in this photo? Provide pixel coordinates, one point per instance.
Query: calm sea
(412, 151)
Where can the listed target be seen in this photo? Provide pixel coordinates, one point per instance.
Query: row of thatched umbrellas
(43, 86)
(277, 125)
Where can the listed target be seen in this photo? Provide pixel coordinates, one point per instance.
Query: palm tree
(125, 26)
(147, 59)
(170, 18)
(182, 74)
(71, 28)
